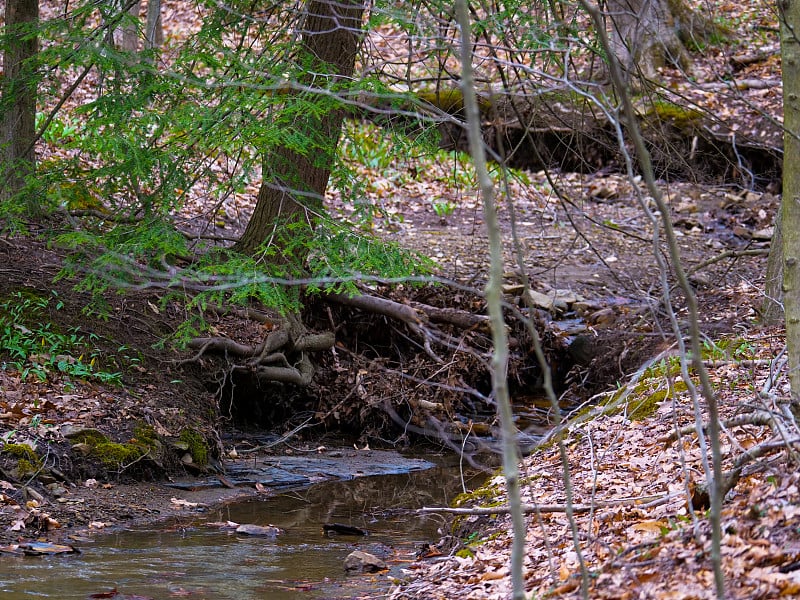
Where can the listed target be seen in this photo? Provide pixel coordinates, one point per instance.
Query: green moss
(28, 462)
(485, 496)
(684, 119)
(523, 481)
(23, 451)
(90, 437)
(451, 100)
(145, 435)
(644, 407)
(197, 446)
(114, 455)
(465, 553)
(26, 468)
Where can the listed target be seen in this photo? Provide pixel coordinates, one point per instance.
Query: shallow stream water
(192, 560)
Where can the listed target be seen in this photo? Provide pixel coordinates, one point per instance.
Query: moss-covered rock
(196, 445)
(684, 119)
(90, 437)
(28, 462)
(20, 451)
(116, 455)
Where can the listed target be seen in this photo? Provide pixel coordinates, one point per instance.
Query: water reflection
(195, 561)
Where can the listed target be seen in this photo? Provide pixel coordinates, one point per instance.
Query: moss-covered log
(575, 131)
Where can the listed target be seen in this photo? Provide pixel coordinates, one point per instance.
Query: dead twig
(724, 255)
(758, 418)
(646, 502)
(284, 438)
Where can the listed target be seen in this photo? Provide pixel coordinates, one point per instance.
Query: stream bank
(200, 555)
(90, 507)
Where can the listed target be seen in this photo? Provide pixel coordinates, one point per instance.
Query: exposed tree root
(278, 347)
(393, 370)
(418, 317)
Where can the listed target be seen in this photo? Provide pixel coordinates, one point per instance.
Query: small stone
(46, 479)
(545, 301)
(513, 289)
(699, 280)
(567, 297)
(605, 317)
(363, 562)
(84, 449)
(56, 489)
(582, 350)
(764, 234)
(583, 307)
(258, 530)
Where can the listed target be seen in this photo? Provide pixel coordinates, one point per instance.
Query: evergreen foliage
(206, 114)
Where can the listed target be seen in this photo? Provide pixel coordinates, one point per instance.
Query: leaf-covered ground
(631, 481)
(582, 236)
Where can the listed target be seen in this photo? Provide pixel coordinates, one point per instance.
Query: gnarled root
(280, 357)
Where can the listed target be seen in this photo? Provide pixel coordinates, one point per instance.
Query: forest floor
(590, 247)
(652, 545)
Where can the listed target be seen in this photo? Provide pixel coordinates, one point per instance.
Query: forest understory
(407, 365)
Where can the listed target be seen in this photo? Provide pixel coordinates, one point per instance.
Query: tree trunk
(18, 103)
(294, 184)
(154, 28)
(130, 32)
(649, 34)
(790, 205)
(772, 307)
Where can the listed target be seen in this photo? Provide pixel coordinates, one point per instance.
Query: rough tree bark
(18, 104)
(294, 184)
(130, 32)
(153, 30)
(649, 34)
(772, 307)
(790, 205)
(154, 27)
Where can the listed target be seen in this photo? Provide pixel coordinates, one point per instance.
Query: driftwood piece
(744, 59)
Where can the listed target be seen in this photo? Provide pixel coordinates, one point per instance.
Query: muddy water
(193, 560)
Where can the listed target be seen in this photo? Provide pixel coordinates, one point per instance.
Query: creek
(195, 560)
